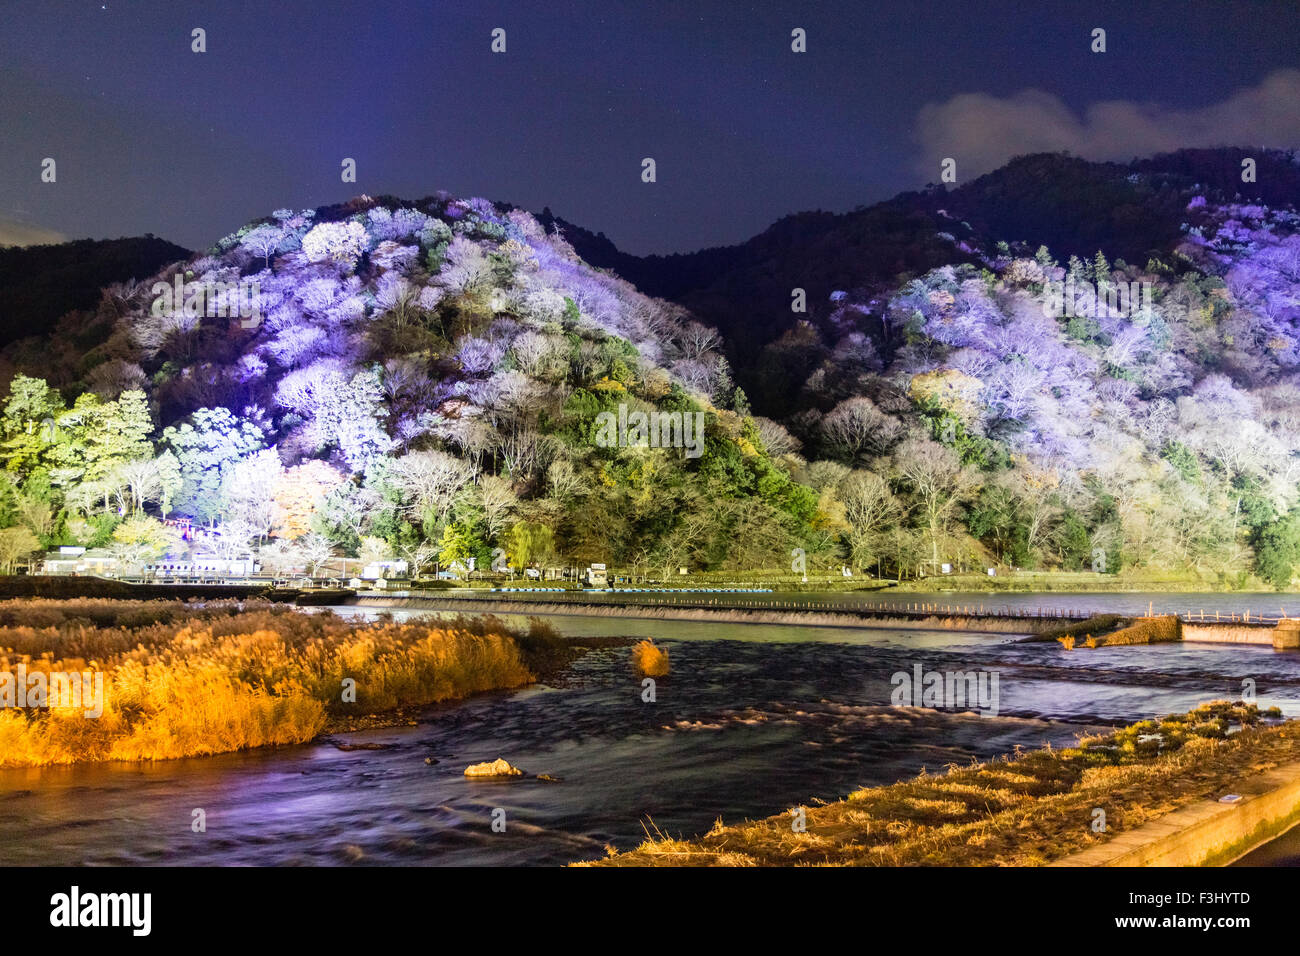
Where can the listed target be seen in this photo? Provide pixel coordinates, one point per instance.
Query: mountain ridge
(427, 379)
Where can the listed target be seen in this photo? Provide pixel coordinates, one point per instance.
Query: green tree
(997, 518)
(30, 424)
(1277, 550)
(170, 479)
(141, 539)
(205, 445)
(462, 540)
(528, 542)
(1100, 269)
(1073, 543)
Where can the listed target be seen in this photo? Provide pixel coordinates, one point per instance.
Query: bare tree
(520, 450)
(564, 481)
(432, 479)
(419, 555)
(532, 352)
(15, 544)
(143, 481)
(869, 507)
(934, 474)
(316, 549)
(855, 427)
(466, 269)
(264, 241)
(698, 340)
(235, 538)
(499, 501)
(775, 438)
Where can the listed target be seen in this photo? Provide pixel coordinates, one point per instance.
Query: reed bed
(1146, 630)
(1022, 810)
(188, 680)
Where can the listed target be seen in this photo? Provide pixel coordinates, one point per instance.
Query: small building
(597, 576)
(71, 560)
(202, 567)
(377, 570)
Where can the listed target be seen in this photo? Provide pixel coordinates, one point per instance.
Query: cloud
(15, 233)
(982, 132)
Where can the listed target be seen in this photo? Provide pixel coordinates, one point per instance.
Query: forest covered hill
(1073, 206)
(970, 383)
(41, 284)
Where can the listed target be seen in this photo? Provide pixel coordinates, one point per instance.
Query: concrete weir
(1207, 833)
(1287, 634)
(1284, 635)
(754, 612)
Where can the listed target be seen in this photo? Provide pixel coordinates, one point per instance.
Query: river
(752, 720)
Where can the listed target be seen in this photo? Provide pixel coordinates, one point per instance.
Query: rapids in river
(753, 719)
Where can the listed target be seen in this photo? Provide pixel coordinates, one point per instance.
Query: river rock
(547, 778)
(496, 768)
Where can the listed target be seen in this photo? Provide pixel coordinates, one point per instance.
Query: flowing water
(753, 719)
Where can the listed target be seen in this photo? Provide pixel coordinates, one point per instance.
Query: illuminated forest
(422, 381)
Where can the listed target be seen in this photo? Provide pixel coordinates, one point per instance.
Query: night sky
(151, 137)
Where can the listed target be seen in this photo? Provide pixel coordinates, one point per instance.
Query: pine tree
(1100, 269)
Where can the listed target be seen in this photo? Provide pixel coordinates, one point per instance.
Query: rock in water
(496, 768)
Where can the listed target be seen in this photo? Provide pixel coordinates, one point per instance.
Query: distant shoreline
(87, 586)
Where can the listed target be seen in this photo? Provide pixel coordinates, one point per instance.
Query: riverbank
(1027, 809)
(162, 680)
(1005, 582)
(1083, 582)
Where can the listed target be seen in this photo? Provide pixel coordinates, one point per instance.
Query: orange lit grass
(650, 660)
(276, 679)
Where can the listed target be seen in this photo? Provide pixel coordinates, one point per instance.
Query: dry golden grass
(185, 680)
(1097, 624)
(1023, 810)
(1146, 630)
(650, 659)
